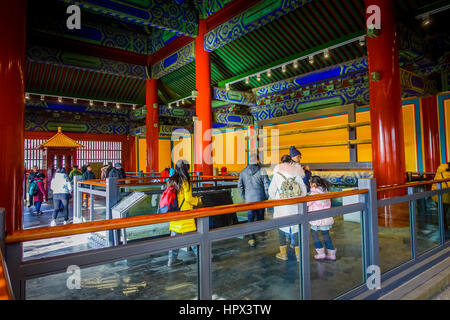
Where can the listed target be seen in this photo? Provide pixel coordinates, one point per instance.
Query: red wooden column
(203, 103)
(430, 127)
(388, 151)
(152, 123)
(12, 95)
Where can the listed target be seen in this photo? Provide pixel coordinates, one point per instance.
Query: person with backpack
(253, 186)
(62, 189)
(319, 186)
(30, 179)
(178, 197)
(287, 183)
(296, 157)
(37, 191)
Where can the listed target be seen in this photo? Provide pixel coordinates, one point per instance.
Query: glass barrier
(394, 235)
(330, 278)
(143, 278)
(427, 223)
(245, 270)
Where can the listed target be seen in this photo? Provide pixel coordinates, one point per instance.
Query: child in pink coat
(318, 186)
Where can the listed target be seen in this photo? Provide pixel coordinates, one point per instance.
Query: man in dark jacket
(253, 186)
(88, 174)
(117, 172)
(30, 179)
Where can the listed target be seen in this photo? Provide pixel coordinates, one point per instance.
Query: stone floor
(239, 271)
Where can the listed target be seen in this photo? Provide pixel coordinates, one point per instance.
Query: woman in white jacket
(62, 189)
(290, 174)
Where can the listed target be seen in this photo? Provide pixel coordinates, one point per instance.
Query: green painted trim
(296, 56)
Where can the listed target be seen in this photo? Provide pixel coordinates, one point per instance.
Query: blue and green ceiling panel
(175, 61)
(254, 18)
(209, 7)
(95, 29)
(161, 38)
(83, 83)
(172, 15)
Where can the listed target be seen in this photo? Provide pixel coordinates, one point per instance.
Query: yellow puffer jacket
(185, 194)
(441, 174)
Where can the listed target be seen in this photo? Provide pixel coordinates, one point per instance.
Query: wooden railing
(113, 224)
(5, 285)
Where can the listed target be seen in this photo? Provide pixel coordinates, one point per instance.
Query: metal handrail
(411, 184)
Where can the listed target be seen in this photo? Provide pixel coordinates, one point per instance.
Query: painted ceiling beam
(292, 58)
(223, 15)
(253, 18)
(36, 54)
(180, 58)
(175, 16)
(88, 49)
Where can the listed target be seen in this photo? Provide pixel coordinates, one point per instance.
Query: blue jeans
(37, 205)
(255, 215)
(173, 254)
(326, 239)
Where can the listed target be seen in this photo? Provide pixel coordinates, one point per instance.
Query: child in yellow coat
(181, 181)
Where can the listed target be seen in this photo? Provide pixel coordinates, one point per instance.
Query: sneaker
(174, 263)
(252, 243)
(66, 222)
(53, 223)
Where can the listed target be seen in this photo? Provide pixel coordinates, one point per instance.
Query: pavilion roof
(60, 140)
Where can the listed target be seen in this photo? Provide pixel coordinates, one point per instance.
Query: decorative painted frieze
(233, 119)
(355, 66)
(236, 97)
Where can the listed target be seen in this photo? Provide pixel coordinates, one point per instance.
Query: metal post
(77, 199)
(91, 205)
(412, 224)
(441, 215)
(13, 259)
(369, 225)
(204, 260)
(2, 230)
(353, 150)
(304, 263)
(112, 197)
(199, 177)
